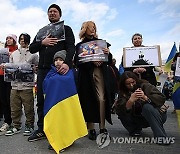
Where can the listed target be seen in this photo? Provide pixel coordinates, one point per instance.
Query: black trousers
(40, 97)
(5, 90)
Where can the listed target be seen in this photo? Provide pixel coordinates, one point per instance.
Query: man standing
(47, 48)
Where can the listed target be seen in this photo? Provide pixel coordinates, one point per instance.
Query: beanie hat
(60, 54)
(57, 7)
(13, 36)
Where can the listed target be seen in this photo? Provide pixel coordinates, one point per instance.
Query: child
(22, 92)
(63, 117)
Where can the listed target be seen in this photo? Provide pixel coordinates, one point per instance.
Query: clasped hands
(138, 94)
(99, 63)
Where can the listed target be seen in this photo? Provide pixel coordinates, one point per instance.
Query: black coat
(87, 92)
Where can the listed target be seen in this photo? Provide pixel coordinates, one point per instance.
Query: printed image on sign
(55, 30)
(4, 55)
(142, 56)
(92, 51)
(18, 73)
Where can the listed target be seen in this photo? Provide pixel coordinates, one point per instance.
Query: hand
(140, 94)
(2, 66)
(98, 63)
(133, 97)
(139, 70)
(63, 69)
(49, 41)
(106, 50)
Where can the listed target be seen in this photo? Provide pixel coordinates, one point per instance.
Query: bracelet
(148, 100)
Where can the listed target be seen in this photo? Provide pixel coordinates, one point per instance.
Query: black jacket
(86, 88)
(46, 53)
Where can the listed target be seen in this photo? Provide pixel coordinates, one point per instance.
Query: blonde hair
(84, 28)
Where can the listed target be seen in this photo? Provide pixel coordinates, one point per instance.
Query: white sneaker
(12, 130)
(4, 128)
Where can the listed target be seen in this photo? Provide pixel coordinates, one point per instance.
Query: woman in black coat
(93, 84)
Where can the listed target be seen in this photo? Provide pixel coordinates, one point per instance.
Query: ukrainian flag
(167, 66)
(63, 118)
(176, 95)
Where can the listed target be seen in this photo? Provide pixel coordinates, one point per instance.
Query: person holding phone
(140, 105)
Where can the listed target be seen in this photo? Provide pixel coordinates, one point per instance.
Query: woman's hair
(27, 38)
(84, 28)
(136, 34)
(126, 75)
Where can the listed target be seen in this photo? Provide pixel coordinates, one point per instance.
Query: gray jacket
(23, 56)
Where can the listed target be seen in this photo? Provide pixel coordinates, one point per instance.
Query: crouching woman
(140, 105)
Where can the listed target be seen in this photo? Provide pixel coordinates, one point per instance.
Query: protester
(168, 88)
(140, 105)
(146, 73)
(22, 92)
(5, 88)
(114, 82)
(93, 80)
(47, 48)
(176, 89)
(62, 108)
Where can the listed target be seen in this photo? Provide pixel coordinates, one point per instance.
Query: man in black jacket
(47, 48)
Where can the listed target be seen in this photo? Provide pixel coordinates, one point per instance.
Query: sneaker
(28, 131)
(37, 135)
(4, 128)
(12, 130)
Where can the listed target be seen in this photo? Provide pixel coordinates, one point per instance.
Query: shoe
(92, 134)
(37, 135)
(28, 130)
(50, 147)
(135, 133)
(4, 128)
(12, 130)
(103, 131)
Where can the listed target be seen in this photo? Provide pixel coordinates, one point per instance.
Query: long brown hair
(126, 75)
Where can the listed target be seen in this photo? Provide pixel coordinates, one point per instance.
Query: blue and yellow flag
(63, 118)
(167, 66)
(176, 95)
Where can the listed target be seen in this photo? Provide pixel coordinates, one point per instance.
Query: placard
(142, 56)
(92, 51)
(18, 72)
(177, 72)
(55, 30)
(4, 55)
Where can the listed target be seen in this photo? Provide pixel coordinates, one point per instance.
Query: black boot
(92, 134)
(104, 130)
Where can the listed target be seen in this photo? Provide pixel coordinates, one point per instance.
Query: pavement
(18, 144)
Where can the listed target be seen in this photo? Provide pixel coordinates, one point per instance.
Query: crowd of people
(100, 85)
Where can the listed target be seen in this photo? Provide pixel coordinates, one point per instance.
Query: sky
(116, 20)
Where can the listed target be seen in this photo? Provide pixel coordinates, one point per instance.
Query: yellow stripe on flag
(64, 123)
(178, 117)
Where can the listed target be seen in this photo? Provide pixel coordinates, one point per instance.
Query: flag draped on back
(63, 117)
(167, 66)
